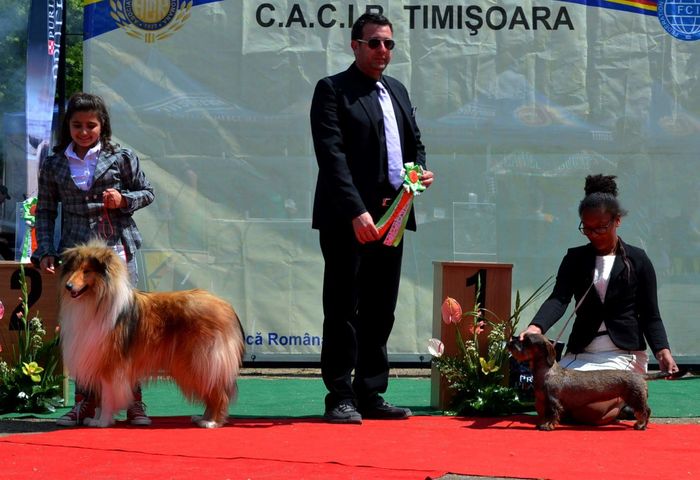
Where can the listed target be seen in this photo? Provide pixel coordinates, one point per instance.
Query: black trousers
(360, 290)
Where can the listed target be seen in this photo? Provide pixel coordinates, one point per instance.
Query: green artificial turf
(303, 397)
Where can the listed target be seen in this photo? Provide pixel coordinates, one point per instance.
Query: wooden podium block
(43, 302)
(459, 281)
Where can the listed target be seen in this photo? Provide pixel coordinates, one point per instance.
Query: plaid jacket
(82, 214)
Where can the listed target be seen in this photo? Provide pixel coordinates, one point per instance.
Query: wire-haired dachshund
(559, 390)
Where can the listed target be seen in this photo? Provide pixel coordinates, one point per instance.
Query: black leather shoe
(383, 410)
(344, 412)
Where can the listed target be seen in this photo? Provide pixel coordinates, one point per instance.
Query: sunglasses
(374, 43)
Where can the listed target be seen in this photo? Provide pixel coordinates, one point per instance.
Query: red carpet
(299, 448)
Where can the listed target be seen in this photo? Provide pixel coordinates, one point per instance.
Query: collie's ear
(100, 263)
(68, 260)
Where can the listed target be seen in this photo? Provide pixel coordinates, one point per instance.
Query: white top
(601, 275)
(83, 169)
(601, 278)
(609, 355)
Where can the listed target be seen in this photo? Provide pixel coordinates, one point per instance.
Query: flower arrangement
(478, 380)
(28, 383)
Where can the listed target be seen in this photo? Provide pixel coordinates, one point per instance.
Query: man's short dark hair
(373, 18)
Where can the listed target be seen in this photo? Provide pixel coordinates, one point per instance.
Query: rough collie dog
(113, 336)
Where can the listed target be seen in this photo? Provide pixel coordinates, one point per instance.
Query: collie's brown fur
(113, 336)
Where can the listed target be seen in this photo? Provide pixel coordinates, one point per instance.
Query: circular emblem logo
(150, 14)
(680, 18)
(150, 20)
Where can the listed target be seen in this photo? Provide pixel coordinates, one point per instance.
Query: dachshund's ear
(551, 353)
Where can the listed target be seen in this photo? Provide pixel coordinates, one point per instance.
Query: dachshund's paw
(640, 426)
(546, 427)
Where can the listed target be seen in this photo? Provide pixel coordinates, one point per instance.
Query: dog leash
(106, 228)
(578, 304)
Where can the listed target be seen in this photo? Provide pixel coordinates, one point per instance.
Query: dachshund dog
(559, 390)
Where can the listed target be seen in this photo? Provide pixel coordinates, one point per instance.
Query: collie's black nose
(69, 286)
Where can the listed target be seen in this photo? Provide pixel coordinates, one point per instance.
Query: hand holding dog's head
(533, 347)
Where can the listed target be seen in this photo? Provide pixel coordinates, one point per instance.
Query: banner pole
(44, 35)
(61, 80)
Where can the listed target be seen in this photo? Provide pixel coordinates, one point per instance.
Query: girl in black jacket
(614, 288)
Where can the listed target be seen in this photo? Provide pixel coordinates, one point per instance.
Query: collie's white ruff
(113, 336)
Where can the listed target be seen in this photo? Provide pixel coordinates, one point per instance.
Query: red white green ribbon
(29, 217)
(393, 222)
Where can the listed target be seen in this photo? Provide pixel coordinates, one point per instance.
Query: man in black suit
(358, 157)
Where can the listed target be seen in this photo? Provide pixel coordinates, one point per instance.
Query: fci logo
(680, 18)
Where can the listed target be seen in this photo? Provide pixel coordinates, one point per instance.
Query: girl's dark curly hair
(601, 194)
(86, 102)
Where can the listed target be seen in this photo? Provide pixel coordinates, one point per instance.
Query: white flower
(22, 395)
(436, 347)
(35, 324)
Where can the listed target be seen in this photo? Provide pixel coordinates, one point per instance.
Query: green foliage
(74, 69)
(478, 382)
(74, 47)
(14, 17)
(13, 45)
(29, 383)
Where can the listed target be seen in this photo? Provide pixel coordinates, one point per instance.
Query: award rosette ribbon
(29, 216)
(393, 222)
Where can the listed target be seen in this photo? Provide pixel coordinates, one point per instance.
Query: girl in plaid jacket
(99, 186)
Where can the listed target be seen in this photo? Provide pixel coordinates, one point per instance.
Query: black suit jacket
(348, 134)
(630, 310)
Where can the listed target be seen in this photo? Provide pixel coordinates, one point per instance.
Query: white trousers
(603, 354)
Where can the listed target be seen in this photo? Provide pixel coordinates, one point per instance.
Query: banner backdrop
(517, 100)
(43, 52)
